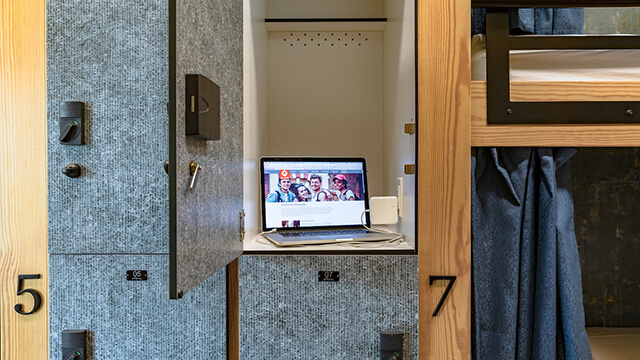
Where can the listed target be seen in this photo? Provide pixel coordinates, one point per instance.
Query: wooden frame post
(23, 179)
(444, 192)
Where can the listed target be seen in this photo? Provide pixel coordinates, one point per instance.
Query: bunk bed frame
(453, 118)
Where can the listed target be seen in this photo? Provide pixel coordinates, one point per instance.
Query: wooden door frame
(23, 177)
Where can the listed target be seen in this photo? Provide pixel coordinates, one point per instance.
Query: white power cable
(397, 239)
(264, 239)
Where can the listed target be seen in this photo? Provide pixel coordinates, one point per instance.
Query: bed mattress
(614, 343)
(561, 65)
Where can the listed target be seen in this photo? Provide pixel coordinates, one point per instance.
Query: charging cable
(396, 239)
(260, 239)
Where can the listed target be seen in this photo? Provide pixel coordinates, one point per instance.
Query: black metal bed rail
(552, 3)
(500, 108)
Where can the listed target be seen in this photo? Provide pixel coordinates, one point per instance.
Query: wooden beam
(444, 191)
(483, 134)
(23, 177)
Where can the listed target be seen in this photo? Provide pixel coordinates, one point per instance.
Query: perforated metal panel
(326, 38)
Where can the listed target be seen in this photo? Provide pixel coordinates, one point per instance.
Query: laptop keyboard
(326, 232)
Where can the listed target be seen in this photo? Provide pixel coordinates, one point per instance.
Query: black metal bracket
(451, 279)
(500, 108)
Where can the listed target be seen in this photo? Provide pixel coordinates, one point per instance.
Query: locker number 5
(37, 300)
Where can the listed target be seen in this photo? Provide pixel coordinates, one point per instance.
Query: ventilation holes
(325, 38)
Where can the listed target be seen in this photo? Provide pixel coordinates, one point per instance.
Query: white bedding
(561, 65)
(614, 343)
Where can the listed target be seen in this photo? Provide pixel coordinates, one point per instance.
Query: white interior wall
(324, 8)
(399, 107)
(325, 96)
(256, 115)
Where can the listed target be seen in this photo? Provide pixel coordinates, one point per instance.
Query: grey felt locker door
(205, 37)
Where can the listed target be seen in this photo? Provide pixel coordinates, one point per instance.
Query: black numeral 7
(451, 279)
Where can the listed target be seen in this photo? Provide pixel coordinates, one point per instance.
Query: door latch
(241, 229)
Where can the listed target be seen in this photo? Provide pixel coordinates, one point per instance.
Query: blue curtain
(527, 292)
(536, 21)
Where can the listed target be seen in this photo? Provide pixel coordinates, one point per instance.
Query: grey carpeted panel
(112, 55)
(286, 313)
(606, 197)
(209, 42)
(612, 20)
(134, 319)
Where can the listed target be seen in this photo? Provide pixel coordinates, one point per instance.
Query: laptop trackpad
(334, 237)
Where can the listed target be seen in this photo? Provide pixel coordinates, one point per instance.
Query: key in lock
(194, 170)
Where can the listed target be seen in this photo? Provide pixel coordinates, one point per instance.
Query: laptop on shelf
(311, 201)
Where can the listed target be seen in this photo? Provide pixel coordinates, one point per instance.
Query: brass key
(194, 169)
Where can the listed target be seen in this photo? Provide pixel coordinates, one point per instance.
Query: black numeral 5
(37, 300)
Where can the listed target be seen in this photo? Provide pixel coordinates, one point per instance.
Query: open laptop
(310, 201)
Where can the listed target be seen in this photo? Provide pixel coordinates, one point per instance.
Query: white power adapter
(384, 210)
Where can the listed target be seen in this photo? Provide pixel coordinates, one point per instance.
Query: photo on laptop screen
(313, 192)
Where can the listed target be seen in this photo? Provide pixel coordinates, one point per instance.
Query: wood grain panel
(23, 190)
(444, 152)
(483, 134)
(567, 91)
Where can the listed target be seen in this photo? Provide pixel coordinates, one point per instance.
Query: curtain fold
(535, 21)
(527, 292)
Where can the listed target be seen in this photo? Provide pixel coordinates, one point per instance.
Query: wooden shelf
(259, 245)
(326, 24)
(615, 135)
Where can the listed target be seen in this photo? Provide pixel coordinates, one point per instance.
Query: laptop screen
(313, 192)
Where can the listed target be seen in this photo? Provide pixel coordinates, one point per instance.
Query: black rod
(578, 42)
(498, 92)
(277, 20)
(552, 3)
